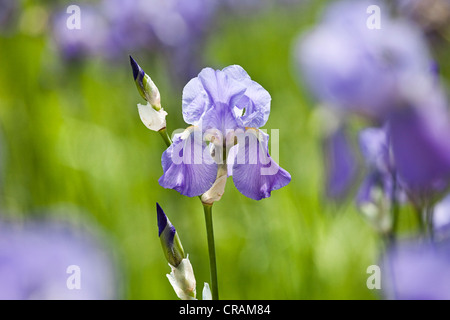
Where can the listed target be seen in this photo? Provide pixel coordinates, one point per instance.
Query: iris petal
(195, 101)
(255, 101)
(187, 165)
(255, 173)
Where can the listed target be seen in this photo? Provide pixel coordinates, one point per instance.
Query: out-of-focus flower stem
(211, 250)
(420, 223)
(165, 136)
(394, 211)
(429, 212)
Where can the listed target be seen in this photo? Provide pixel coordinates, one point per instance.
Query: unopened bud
(170, 242)
(146, 87)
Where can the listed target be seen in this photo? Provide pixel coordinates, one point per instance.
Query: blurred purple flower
(175, 29)
(346, 65)
(417, 271)
(130, 25)
(252, 6)
(379, 188)
(36, 260)
(220, 105)
(9, 11)
(341, 164)
(90, 40)
(420, 150)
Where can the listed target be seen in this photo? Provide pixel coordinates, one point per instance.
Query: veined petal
(221, 88)
(255, 173)
(256, 100)
(187, 164)
(195, 101)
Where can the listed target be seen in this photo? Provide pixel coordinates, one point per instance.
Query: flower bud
(206, 294)
(170, 242)
(146, 87)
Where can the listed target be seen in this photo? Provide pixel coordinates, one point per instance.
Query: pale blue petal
(195, 101)
(255, 173)
(256, 100)
(188, 166)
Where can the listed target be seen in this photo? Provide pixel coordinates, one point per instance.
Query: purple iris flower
(130, 24)
(420, 148)
(417, 271)
(351, 67)
(90, 40)
(9, 12)
(55, 260)
(225, 108)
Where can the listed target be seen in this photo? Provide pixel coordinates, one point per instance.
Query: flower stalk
(212, 251)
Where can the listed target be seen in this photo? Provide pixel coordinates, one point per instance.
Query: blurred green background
(71, 136)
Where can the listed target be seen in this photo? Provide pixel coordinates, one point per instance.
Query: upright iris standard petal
(225, 99)
(254, 105)
(220, 87)
(195, 101)
(187, 164)
(255, 173)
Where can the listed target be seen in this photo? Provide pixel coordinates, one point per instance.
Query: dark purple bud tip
(135, 67)
(162, 219)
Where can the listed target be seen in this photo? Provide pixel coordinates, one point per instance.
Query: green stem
(165, 136)
(211, 251)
